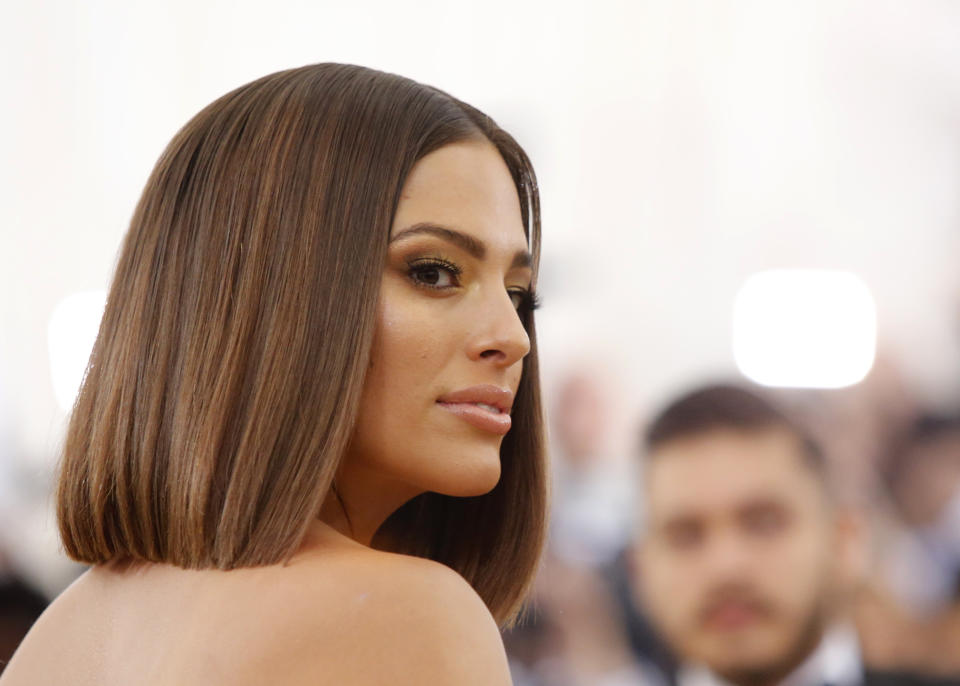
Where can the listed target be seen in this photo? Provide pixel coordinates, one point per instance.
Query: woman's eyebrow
(475, 247)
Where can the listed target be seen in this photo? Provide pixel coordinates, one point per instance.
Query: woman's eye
(435, 274)
(523, 299)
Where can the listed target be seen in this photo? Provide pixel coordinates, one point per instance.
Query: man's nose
(727, 556)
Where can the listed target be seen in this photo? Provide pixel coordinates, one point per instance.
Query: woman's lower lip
(479, 417)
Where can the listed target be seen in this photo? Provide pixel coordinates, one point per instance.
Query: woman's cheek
(411, 336)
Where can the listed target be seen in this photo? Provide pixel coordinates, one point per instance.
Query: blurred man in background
(20, 606)
(744, 562)
(922, 474)
(911, 614)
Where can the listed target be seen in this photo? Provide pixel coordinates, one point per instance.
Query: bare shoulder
(32, 662)
(339, 614)
(405, 620)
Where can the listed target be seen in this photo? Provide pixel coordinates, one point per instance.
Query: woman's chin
(479, 478)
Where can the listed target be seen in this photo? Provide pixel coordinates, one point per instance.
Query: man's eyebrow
(762, 502)
(475, 247)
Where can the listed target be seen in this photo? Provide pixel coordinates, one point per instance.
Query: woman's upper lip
(488, 394)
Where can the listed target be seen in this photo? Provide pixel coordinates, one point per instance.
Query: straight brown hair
(225, 379)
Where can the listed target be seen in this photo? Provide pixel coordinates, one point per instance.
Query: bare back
(337, 613)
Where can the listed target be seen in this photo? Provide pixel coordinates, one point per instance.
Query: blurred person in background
(911, 610)
(746, 564)
(20, 602)
(923, 478)
(891, 460)
(20, 605)
(593, 484)
(576, 633)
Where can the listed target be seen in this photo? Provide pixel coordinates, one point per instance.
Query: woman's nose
(500, 336)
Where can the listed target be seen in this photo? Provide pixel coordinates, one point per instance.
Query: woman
(308, 447)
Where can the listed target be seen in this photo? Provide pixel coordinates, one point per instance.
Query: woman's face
(449, 343)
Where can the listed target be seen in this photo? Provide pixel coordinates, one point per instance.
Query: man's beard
(804, 641)
(804, 644)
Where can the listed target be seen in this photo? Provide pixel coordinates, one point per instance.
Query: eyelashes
(434, 272)
(524, 300)
(438, 274)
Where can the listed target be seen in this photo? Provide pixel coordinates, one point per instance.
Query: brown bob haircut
(224, 383)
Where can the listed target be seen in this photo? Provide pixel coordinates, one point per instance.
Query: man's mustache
(740, 595)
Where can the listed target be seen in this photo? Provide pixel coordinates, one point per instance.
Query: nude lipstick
(486, 407)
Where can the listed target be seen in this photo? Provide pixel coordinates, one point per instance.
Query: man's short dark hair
(728, 406)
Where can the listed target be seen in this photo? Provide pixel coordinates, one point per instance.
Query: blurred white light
(70, 336)
(804, 328)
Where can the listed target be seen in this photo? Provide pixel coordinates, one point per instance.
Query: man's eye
(435, 274)
(683, 535)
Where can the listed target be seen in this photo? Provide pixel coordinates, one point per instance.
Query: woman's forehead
(466, 187)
